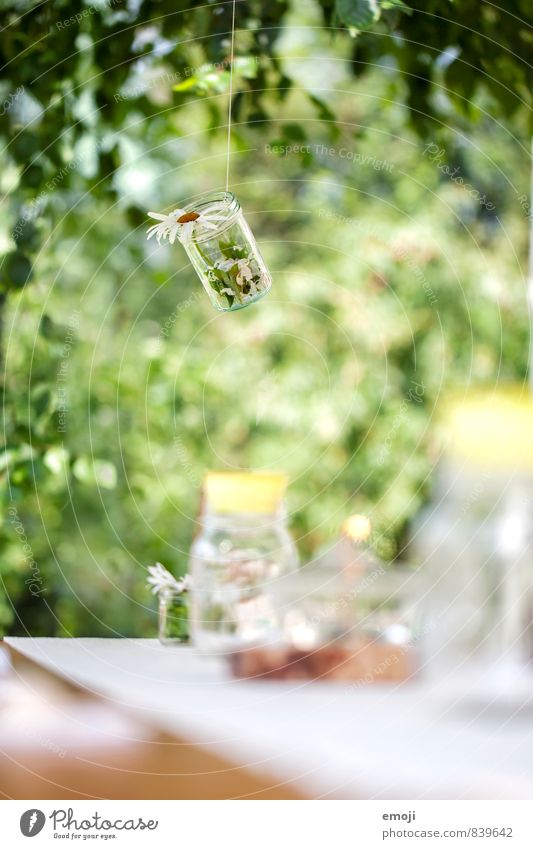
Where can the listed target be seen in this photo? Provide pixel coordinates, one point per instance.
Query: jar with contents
(243, 548)
(220, 246)
(475, 543)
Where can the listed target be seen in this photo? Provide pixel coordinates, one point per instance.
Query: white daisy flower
(182, 224)
(186, 583)
(161, 579)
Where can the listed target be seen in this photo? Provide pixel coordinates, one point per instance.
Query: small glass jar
(224, 253)
(173, 616)
(242, 550)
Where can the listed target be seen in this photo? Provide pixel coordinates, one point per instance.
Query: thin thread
(230, 92)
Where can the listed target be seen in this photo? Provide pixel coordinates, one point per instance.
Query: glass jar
(243, 548)
(173, 616)
(475, 544)
(224, 253)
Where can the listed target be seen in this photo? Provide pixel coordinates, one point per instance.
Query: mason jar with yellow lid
(475, 539)
(243, 547)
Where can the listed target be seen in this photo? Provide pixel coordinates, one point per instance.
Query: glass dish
(331, 625)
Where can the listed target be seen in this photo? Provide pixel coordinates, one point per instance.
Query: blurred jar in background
(384, 599)
(343, 617)
(316, 605)
(475, 541)
(243, 547)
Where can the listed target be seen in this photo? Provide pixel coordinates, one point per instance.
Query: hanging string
(230, 92)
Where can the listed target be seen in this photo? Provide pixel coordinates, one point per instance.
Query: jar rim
(171, 592)
(210, 515)
(224, 202)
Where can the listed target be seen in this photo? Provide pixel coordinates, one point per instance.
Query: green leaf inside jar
(177, 620)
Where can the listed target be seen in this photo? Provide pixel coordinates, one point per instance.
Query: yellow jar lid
(244, 492)
(491, 428)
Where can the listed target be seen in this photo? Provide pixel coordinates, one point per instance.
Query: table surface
(327, 740)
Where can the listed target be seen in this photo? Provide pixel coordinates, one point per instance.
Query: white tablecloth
(331, 740)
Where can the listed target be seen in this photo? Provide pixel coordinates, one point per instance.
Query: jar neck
(244, 522)
(225, 208)
(469, 486)
(171, 594)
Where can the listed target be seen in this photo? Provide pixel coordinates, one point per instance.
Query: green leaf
(26, 235)
(210, 79)
(323, 109)
(6, 458)
(16, 269)
(294, 132)
(100, 472)
(32, 176)
(52, 330)
(41, 397)
(358, 14)
(47, 327)
(56, 459)
(395, 4)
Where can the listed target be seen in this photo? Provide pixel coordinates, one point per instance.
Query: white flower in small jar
(160, 579)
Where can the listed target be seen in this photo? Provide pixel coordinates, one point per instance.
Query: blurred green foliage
(393, 280)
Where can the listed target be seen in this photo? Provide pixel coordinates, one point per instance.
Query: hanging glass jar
(221, 248)
(243, 548)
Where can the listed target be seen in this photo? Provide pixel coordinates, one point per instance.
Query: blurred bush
(393, 280)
